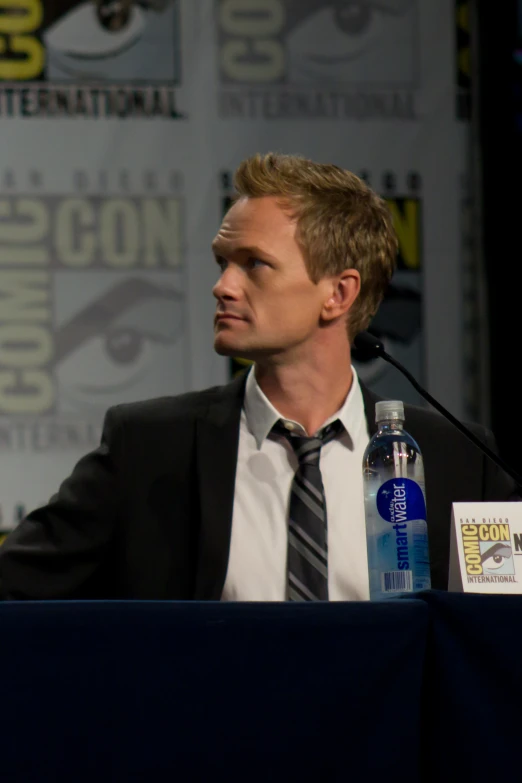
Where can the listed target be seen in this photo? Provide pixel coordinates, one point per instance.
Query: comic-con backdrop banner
(122, 122)
(105, 58)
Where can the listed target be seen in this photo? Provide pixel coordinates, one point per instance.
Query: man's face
(266, 303)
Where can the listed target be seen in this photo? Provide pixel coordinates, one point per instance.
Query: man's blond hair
(341, 223)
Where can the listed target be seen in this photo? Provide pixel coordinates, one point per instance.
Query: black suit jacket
(148, 514)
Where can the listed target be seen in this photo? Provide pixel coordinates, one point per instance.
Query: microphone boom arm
(491, 454)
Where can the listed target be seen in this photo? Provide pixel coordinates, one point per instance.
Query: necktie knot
(308, 449)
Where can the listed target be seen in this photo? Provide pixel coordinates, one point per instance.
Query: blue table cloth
(160, 691)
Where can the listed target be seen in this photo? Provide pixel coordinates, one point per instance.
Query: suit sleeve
(58, 551)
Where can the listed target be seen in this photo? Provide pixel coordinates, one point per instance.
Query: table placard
(486, 548)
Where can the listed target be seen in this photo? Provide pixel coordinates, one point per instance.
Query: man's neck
(308, 394)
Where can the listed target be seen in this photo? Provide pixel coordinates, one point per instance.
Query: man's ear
(345, 289)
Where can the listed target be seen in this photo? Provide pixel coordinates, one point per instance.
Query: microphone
(370, 347)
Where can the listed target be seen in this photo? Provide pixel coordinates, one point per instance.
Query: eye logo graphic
(92, 303)
(119, 345)
(112, 40)
(359, 49)
(66, 44)
(496, 558)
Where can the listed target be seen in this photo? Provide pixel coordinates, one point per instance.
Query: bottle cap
(389, 409)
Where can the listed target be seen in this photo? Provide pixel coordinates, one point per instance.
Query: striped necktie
(307, 526)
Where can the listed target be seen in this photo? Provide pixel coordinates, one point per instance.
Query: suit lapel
(217, 441)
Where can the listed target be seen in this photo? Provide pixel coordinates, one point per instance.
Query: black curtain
(499, 114)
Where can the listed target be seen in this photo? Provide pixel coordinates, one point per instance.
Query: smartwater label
(400, 502)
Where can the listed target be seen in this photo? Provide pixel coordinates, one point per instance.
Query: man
(253, 491)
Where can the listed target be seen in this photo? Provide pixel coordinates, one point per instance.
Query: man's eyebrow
(254, 250)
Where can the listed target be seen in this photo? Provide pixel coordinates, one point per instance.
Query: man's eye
(255, 263)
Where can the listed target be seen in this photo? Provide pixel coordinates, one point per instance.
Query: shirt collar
(261, 414)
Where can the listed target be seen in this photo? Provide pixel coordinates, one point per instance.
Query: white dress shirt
(257, 568)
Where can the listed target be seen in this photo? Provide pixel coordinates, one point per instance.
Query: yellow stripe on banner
(463, 17)
(237, 365)
(406, 220)
(465, 61)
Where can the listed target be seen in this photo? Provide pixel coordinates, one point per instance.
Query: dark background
(498, 111)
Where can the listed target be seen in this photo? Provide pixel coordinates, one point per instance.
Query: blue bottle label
(398, 544)
(401, 500)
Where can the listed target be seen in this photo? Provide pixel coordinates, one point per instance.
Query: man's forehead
(238, 240)
(238, 229)
(255, 218)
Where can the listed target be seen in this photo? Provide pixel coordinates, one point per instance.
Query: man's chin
(224, 348)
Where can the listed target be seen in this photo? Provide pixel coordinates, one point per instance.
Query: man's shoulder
(438, 425)
(425, 418)
(178, 407)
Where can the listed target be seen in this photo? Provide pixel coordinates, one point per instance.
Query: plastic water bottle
(395, 507)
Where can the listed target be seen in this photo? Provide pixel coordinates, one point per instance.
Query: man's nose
(228, 285)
